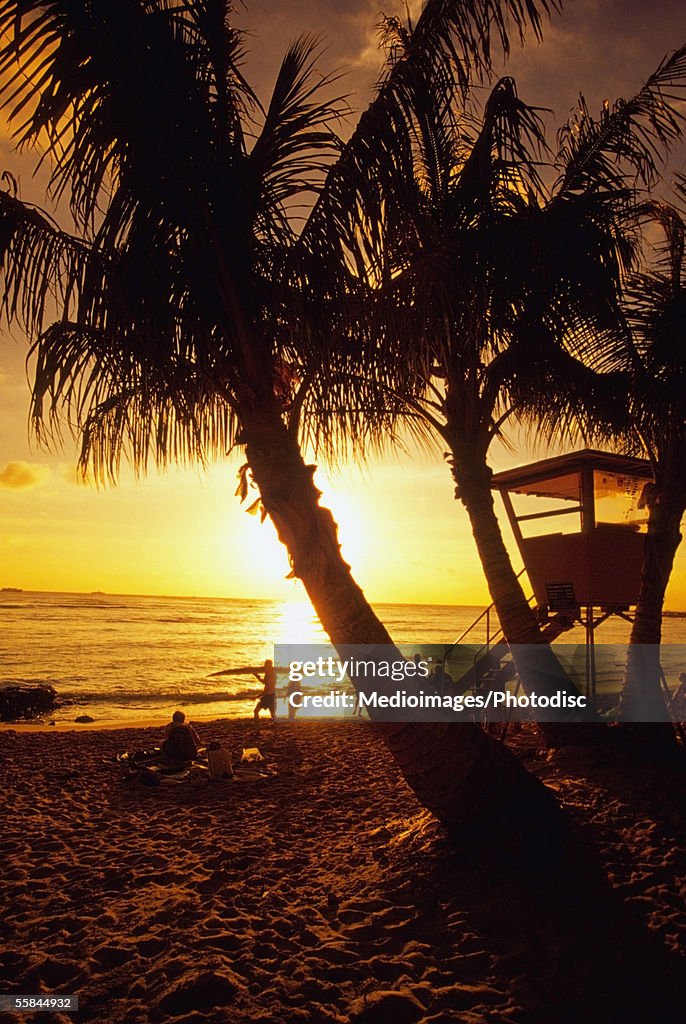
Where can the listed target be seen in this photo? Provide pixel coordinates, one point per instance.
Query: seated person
(182, 741)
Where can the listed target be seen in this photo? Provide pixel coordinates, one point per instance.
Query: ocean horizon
(125, 657)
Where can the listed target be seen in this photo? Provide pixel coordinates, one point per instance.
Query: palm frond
(73, 73)
(474, 31)
(296, 142)
(43, 267)
(502, 168)
(146, 409)
(451, 44)
(631, 137)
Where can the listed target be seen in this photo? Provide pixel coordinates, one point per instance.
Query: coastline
(325, 894)
(106, 725)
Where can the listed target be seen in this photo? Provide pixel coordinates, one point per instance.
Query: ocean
(127, 658)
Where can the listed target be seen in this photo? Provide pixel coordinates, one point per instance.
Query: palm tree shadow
(567, 948)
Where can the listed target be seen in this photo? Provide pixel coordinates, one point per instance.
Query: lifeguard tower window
(556, 503)
(535, 503)
(618, 500)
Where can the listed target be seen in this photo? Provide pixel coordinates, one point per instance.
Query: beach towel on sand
(149, 767)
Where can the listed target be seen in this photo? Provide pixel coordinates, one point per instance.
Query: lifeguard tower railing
(491, 661)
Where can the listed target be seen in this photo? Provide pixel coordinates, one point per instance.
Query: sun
(265, 561)
(352, 529)
(264, 555)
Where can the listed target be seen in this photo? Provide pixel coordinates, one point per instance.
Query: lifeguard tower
(579, 521)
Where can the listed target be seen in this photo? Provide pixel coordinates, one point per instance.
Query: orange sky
(184, 532)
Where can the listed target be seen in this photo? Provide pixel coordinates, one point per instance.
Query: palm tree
(656, 315)
(481, 287)
(161, 324)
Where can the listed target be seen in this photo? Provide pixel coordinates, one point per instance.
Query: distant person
(219, 761)
(441, 680)
(181, 740)
(267, 701)
(293, 687)
(679, 700)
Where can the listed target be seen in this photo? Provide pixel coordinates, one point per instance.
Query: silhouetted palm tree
(163, 325)
(656, 314)
(482, 290)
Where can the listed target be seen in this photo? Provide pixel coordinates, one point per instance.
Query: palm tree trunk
(642, 698)
(462, 775)
(517, 620)
(537, 667)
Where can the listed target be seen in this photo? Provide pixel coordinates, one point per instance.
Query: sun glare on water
(297, 624)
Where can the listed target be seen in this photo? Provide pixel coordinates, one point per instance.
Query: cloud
(18, 476)
(602, 48)
(348, 41)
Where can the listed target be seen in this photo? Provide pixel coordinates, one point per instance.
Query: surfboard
(245, 670)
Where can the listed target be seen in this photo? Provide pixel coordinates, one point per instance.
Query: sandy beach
(325, 893)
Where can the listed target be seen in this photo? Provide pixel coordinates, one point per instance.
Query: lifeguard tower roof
(556, 477)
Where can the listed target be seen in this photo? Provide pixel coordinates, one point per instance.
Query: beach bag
(180, 745)
(219, 761)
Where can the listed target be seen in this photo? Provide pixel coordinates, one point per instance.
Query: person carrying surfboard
(267, 701)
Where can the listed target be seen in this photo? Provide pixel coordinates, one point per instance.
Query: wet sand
(326, 894)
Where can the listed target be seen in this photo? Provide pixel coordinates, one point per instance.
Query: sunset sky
(184, 532)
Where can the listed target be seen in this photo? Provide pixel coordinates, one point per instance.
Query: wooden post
(587, 500)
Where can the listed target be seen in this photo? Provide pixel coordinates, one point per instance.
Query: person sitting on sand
(268, 699)
(182, 741)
